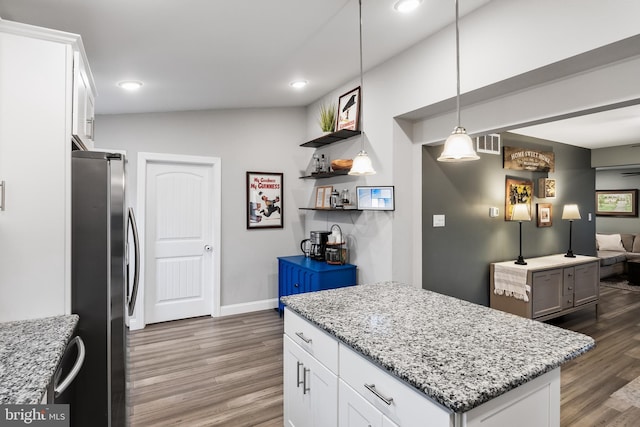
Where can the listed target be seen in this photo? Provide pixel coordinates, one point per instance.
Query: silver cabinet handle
(305, 389)
(60, 388)
(298, 374)
(372, 389)
(303, 338)
(2, 188)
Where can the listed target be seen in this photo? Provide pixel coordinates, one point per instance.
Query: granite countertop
(30, 351)
(458, 353)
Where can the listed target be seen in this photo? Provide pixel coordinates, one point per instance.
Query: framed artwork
(544, 215)
(349, 110)
(546, 188)
(617, 202)
(323, 196)
(376, 198)
(264, 200)
(517, 191)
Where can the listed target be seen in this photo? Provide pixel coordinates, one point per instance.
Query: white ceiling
(210, 54)
(599, 130)
(213, 54)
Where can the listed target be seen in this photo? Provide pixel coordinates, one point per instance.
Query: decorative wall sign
(516, 158)
(349, 110)
(264, 200)
(544, 216)
(617, 202)
(546, 188)
(517, 191)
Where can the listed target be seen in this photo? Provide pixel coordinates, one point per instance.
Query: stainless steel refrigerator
(100, 286)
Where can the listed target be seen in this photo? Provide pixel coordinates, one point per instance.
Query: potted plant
(327, 119)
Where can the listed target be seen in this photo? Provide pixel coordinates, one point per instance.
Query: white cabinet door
(310, 389)
(296, 407)
(35, 163)
(83, 103)
(354, 410)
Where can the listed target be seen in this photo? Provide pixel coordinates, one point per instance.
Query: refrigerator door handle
(136, 274)
(59, 388)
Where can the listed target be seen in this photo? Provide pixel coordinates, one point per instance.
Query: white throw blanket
(511, 281)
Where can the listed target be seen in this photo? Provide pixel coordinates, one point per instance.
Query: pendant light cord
(361, 78)
(457, 66)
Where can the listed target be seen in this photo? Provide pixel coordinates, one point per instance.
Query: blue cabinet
(299, 274)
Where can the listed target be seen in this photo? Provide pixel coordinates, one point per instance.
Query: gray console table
(546, 287)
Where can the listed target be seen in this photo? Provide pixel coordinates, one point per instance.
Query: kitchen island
(467, 364)
(30, 351)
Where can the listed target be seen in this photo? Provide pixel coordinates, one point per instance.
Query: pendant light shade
(361, 163)
(458, 147)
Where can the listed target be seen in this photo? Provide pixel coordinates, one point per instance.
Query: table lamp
(520, 213)
(570, 212)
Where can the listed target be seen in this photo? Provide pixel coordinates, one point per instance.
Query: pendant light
(361, 163)
(458, 147)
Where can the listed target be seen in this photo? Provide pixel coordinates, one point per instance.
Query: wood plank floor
(207, 372)
(588, 381)
(228, 371)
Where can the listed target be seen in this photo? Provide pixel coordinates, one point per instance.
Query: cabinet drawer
(316, 342)
(395, 399)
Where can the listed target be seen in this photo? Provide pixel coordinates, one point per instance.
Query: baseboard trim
(134, 325)
(248, 307)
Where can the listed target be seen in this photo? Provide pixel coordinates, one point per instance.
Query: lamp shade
(571, 212)
(458, 147)
(362, 165)
(520, 212)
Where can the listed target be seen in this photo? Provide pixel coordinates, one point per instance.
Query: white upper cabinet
(83, 103)
(36, 122)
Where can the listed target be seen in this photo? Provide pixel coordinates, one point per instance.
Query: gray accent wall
(617, 180)
(456, 258)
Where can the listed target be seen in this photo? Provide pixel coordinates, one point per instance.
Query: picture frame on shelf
(517, 191)
(265, 206)
(323, 196)
(348, 116)
(623, 203)
(376, 198)
(544, 215)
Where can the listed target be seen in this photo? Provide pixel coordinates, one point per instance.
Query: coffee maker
(318, 244)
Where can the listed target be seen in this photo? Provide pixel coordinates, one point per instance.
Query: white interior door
(179, 240)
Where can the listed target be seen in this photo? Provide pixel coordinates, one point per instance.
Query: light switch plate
(438, 220)
(494, 212)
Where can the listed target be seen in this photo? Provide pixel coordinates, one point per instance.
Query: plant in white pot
(327, 119)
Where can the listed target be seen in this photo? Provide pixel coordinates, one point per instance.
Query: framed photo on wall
(349, 110)
(617, 202)
(264, 200)
(381, 198)
(544, 215)
(517, 191)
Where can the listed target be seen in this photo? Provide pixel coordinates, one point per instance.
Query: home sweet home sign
(516, 158)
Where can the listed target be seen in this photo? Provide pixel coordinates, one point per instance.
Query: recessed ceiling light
(130, 85)
(298, 84)
(406, 6)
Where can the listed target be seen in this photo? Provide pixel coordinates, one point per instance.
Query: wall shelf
(330, 209)
(330, 138)
(340, 172)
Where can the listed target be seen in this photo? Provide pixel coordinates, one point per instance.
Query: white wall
(264, 140)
